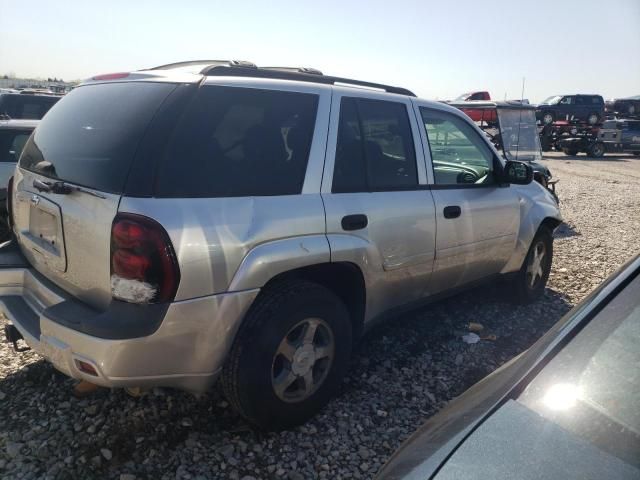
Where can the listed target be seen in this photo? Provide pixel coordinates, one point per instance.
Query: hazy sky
(438, 49)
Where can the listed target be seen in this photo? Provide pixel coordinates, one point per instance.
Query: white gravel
(402, 373)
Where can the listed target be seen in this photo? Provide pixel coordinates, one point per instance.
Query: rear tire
(290, 355)
(593, 118)
(547, 118)
(530, 281)
(597, 150)
(5, 230)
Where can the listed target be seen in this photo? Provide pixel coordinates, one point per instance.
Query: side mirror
(518, 173)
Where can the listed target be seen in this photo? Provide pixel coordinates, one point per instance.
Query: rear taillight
(10, 204)
(144, 268)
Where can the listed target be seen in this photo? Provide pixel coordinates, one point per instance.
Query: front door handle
(354, 222)
(452, 211)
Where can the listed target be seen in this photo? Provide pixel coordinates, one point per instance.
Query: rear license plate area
(41, 230)
(44, 226)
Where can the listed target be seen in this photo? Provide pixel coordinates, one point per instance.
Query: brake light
(111, 76)
(144, 268)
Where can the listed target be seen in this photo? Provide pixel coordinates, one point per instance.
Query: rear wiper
(62, 188)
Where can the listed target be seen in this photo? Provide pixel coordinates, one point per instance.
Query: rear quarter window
(235, 142)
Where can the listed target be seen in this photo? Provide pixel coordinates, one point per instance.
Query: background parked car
(566, 408)
(623, 106)
(583, 108)
(614, 136)
(13, 136)
(26, 105)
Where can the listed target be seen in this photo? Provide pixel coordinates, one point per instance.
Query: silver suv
(209, 220)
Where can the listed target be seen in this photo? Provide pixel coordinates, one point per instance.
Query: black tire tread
(263, 307)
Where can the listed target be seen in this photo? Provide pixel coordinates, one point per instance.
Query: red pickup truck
(466, 97)
(484, 115)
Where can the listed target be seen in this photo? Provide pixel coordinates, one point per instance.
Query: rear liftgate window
(90, 137)
(236, 142)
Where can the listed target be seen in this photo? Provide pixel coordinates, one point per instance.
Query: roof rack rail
(282, 73)
(313, 71)
(206, 63)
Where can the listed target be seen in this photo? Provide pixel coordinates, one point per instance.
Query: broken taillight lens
(144, 268)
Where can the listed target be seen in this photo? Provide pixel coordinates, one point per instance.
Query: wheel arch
(344, 279)
(537, 209)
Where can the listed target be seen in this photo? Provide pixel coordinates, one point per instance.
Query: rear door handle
(354, 222)
(452, 211)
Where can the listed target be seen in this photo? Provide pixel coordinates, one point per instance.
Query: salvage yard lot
(403, 372)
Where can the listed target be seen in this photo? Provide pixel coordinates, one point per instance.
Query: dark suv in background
(26, 105)
(583, 108)
(624, 106)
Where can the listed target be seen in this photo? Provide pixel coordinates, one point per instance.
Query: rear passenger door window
(458, 154)
(375, 149)
(235, 142)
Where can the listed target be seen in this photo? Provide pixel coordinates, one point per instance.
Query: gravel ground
(401, 374)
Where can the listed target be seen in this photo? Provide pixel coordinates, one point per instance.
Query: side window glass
(235, 142)
(375, 149)
(567, 101)
(458, 154)
(580, 101)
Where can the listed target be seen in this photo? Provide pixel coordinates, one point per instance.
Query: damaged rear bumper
(185, 349)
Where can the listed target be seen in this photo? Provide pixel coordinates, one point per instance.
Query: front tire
(547, 118)
(530, 281)
(289, 356)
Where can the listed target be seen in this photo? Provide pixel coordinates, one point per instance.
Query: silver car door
(380, 214)
(477, 218)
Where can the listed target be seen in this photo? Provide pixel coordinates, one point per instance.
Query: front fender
(267, 260)
(536, 205)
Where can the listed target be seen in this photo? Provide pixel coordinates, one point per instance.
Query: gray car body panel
(429, 448)
(537, 449)
(229, 248)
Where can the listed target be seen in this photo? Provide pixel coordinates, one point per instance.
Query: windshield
(552, 100)
(519, 134)
(90, 137)
(592, 387)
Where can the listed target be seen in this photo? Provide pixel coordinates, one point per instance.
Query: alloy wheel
(303, 360)
(536, 265)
